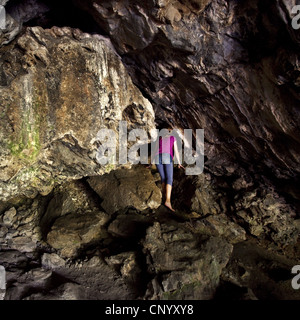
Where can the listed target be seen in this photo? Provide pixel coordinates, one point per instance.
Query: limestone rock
(207, 199)
(66, 291)
(40, 277)
(212, 65)
(71, 232)
(56, 94)
(199, 282)
(70, 197)
(127, 188)
(16, 15)
(70, 291)
(204, 194)
(265, 274)
(229, 67)
(13, 257)
(52, 261)
(126, 264)
(268, 215)
(220, 226)
(190, 266)
(23, 244)
(9, 217)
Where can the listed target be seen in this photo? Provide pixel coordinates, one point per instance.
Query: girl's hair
(163, 125)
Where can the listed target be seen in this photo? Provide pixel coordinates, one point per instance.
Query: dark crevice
(60, 14)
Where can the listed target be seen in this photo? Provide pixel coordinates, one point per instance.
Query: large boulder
(267, 215)
(127, 188)
(59, 87)
(187, 265)
(72, 232)
(74, 196)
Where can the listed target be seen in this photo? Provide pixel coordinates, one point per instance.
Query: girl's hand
(181, 166)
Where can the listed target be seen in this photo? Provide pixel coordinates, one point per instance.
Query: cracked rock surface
(72, 228)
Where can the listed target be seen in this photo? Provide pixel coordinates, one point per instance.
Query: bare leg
(168, 197)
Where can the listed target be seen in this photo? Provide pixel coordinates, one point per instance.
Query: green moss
(111, 165)
(27, 174)
(26, 145)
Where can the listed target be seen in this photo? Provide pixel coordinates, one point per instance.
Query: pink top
(166, 145)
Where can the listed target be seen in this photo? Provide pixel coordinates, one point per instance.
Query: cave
(74, 228)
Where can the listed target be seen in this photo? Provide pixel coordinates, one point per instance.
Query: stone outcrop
(59, 87)
(268, 215)
(74, 231)
(219, 226)
(171, 250)
(228, 67)
(120, 189)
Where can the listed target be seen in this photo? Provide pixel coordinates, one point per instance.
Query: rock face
(228, 67)
(120, 189)
(215, 65)
(64, 87)
(220, 225)
(172, 250)
(73, 231)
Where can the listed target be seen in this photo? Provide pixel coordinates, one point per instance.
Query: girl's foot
(168, 205)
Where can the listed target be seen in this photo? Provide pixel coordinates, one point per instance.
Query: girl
(164, 157)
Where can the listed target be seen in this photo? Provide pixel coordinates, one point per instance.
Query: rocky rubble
(187, 267)
(74, 249)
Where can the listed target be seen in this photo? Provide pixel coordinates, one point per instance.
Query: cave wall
(230, 67)
(68, 69)
(59, 87)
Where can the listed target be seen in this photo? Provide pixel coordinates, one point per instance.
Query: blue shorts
(164, 164)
